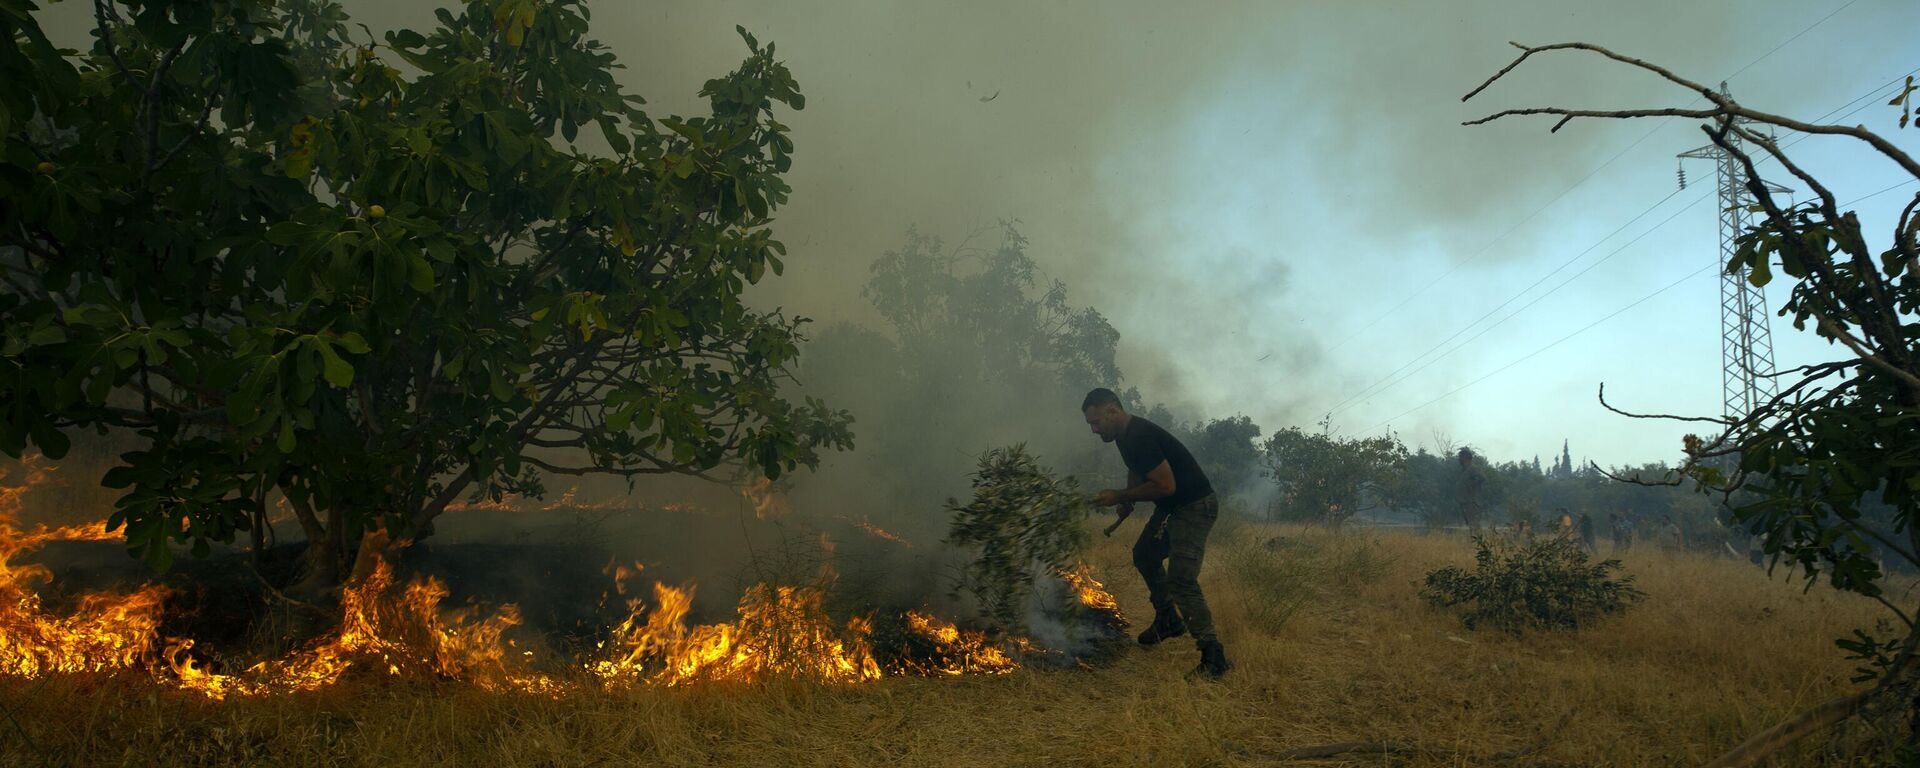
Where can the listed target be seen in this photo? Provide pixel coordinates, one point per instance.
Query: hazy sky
(1249, 189)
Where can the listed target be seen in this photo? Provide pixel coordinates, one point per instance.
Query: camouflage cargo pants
(1168, 555)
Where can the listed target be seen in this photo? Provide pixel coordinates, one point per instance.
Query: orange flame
(404, 636)
(780, 632)
(104, 631)
(1088, 590)
(569, 499)
(766, 499)
(955, 651)
(387, 629)
(877, 532)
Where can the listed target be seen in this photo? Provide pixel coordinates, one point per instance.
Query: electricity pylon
(1746, 337)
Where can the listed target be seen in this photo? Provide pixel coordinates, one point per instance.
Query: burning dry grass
(102, 632)
(781, 632)
(1717, 652)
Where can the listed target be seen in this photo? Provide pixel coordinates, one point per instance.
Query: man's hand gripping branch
(1158, 484)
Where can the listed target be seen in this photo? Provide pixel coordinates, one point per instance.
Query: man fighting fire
(1169, 551)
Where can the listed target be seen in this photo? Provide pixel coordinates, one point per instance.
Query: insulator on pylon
(1681, 170)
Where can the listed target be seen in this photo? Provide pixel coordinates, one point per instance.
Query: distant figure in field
(1563, 525)
(1469, 492)
(1671, 537)
(1586, 533)
(1622, 531)
(1161, 470)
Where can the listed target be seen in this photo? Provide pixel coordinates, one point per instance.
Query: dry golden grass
(1331, 642)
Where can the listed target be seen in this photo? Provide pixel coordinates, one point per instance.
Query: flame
(767, 500)
(510, 502)
(781, 632)
(569, 499)
(954, 651)
(876, 531)
(83, 532)
(104, 631)
(1088, 590)
(388, 629)
(403, 635)
(192, 676)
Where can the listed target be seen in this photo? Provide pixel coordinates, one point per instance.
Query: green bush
(1535, 583)
(1022, 522)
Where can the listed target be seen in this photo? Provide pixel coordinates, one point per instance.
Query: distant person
(1672, 537)
(1586, 534)
(1563, 525)
(1469, 493)
(1161, 470)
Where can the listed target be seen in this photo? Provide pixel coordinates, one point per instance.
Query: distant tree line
(976, 348)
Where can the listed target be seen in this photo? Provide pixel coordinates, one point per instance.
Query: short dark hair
(1100, 396)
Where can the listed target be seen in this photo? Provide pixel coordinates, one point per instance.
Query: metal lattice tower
(1746, 338)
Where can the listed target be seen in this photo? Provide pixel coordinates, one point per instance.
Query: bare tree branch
(1860, 349)
(1722, 105)
(1674, 477)
(1661, 416)
(1526, 51)
(1903, 234)
(1569, 114)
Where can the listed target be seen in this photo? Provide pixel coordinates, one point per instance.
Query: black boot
(1213, 663)
(1164, 626)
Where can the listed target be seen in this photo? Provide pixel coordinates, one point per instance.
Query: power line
(1537, 299)
(1558, 342)
(1503, 236)
(1783, 44)
(1428, 285)
(1380, 384)
(1869, 97)
(1877, 194)
(1390, 379)
(1869, 94)
(1608, 316)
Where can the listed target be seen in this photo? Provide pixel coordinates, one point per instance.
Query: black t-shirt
(1144, 445)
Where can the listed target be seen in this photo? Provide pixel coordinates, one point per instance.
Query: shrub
(1536, 583)
(1022, 522)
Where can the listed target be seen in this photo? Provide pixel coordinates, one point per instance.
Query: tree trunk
(259, 532)
(332, 557)
(259, 537)
(337, 534)
(375, 547)
(320, 564)
(320, 569)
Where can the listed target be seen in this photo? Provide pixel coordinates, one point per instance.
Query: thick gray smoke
(1236, 184)
(1189, 171)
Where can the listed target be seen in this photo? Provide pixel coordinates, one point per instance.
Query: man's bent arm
(1125, 508)
(1158, 485)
